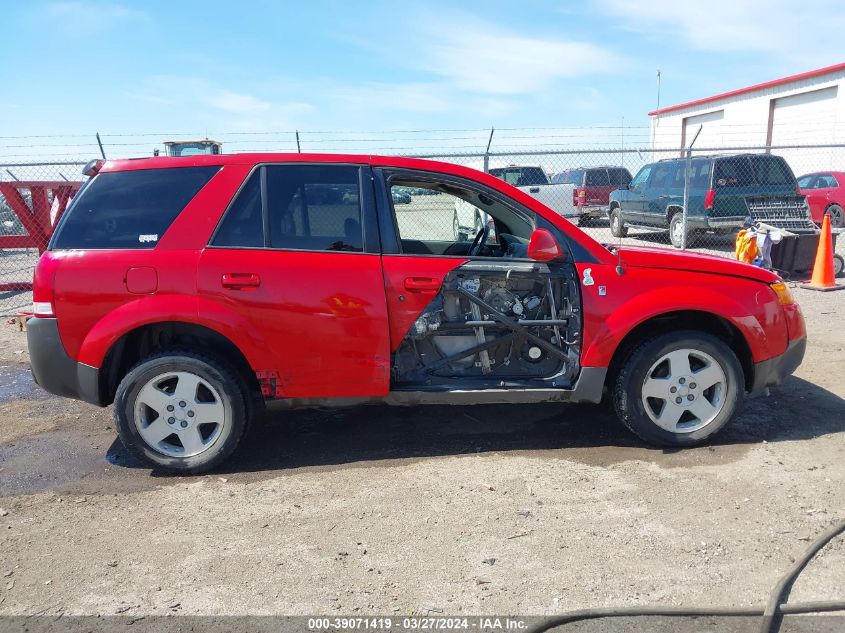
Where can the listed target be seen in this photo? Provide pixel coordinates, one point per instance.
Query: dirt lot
(530, 509)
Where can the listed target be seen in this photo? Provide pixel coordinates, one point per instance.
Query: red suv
(195, 292)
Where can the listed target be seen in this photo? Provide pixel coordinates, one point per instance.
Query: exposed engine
(502, 322)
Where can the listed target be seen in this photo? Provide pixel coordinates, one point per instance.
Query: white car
(534, 181)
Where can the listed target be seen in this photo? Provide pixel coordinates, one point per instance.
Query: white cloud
(411, 97)
(480, 57)
(786, 27)
(237, 103)
(83, 17)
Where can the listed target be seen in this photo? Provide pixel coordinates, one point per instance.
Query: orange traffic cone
(823, 278)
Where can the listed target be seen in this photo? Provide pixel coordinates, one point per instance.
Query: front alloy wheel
(679, 388)
(684, 391)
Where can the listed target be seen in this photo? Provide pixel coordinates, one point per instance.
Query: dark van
(724, 191)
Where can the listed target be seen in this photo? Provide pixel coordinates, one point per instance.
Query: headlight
(783, 293)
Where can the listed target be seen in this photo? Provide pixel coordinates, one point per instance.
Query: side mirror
(543, 247)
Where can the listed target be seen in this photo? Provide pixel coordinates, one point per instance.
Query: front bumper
(55, 371)
(774, 370)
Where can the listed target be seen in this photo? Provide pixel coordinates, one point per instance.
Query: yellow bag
(746, 246)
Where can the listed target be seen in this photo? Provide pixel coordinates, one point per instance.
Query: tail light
(709, 198)
(579, 197)
(42, 286)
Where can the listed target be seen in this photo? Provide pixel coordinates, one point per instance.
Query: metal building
(803, 109)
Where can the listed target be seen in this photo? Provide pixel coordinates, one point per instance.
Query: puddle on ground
(16, 382)
(82, 454)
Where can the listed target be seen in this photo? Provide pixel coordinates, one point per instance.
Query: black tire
(456, 228)
(675, 227)
(630, 382)
(837, 216)
(617, 224)
(838, 265)
(234, 399)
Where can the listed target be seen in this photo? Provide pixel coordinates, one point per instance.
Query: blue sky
(228, 69)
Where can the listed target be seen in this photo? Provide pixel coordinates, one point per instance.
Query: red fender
(604, 334)
(173, 308)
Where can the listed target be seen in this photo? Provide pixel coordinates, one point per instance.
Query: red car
(195, 292)
(825, 193)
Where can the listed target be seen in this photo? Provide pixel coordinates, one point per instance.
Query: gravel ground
(501, 509)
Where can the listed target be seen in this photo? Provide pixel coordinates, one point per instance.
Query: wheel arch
(698, 320)
(149, 338)
(673, 209)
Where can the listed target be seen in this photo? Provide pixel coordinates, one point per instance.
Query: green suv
(723, 192)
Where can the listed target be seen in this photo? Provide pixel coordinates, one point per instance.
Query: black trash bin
(795, 254)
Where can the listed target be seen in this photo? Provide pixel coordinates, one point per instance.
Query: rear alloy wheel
(181, 412)
(678, 389)
(617, 225)
(837, 216)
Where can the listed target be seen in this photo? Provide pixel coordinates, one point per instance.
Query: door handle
(422, 284)
(240, 281)
(533, 189)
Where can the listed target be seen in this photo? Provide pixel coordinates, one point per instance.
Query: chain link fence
(33, 197)
(665, 198)
(695, 199)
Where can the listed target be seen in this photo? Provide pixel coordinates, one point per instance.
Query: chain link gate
(620, 196)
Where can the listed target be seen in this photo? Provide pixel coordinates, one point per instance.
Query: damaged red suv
(193, 293)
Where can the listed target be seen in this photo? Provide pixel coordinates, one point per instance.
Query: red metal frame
(39, 217)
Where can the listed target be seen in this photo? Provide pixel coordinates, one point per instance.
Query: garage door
(805, 119)
(808, 118)
(711, 129)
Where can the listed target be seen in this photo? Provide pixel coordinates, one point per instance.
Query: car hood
(644, 257)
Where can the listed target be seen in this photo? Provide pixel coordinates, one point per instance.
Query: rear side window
(243, 225)
(771, 170)
(747, 171)
(597, 178)
(129, 209)
(699, 174)
(571, 177)
(314, 207)
(619, 177)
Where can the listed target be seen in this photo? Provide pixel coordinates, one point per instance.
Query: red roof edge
(768, 84)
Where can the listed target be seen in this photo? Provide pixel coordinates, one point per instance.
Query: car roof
(716, 156)
(819, 173)
(396, 162)
(563, 171)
